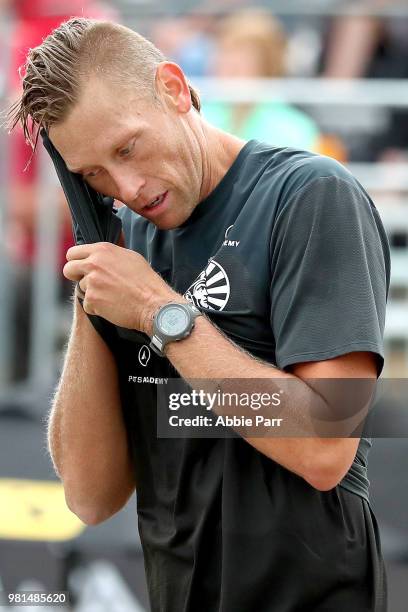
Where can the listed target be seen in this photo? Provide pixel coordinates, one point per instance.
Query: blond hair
(263, 32)
(55, 71)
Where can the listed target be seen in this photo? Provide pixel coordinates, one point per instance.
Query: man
(293, 263)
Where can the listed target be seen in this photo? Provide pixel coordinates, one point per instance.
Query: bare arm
(322, 462)
(86, 432)
(106, 271)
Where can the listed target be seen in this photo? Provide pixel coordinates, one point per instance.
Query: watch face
(173, 321)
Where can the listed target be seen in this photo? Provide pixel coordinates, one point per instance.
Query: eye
(127, 150)
(91, 174)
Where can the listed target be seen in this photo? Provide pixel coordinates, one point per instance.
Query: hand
(118, 284)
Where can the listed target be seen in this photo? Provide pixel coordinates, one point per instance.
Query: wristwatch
(172, 322)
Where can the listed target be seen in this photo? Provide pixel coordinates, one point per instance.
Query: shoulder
(282, 173)
(293, 162)
(322, 198)
(323, 182)
(311, 170)
(317, 166)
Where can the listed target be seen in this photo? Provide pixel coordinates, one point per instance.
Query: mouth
(156, 202)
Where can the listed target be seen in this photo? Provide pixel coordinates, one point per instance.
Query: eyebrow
(124, 140)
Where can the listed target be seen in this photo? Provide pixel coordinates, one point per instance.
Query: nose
(128, 184)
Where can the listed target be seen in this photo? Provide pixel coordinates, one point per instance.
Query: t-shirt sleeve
(329, 274)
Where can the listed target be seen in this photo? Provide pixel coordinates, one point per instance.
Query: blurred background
(325, 75)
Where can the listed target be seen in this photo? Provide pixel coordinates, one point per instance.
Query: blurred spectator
(252, 44)
(187, 41)
(32, 20)
(372, 47)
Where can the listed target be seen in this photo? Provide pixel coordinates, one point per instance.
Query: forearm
(208, 354)
(86, 433)
(106, 271)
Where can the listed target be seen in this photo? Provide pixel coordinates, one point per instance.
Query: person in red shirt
(32, 21)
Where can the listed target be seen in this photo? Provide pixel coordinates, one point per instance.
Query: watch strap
(157, 345)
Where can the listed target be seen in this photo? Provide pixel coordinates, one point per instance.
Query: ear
(172, 87)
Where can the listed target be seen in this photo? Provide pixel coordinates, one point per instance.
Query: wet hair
(56, 70)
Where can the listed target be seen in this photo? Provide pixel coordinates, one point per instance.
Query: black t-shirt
(289, 258)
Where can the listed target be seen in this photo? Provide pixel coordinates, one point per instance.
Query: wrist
(173, 322)
(153, 308)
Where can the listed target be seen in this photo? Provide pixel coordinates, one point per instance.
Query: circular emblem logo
(144, 355)
(211, 289)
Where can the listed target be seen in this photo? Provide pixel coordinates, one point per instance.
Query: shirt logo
(233, 243)
(211, 289)
(144, 355)
(152, 380)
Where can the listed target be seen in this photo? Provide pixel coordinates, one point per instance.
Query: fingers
(79, 252)
(76, 257)
(74, 270)
(82, 251)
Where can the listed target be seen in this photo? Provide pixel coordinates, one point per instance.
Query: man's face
(134, 150)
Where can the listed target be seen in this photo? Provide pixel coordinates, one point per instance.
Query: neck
(219, 150)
